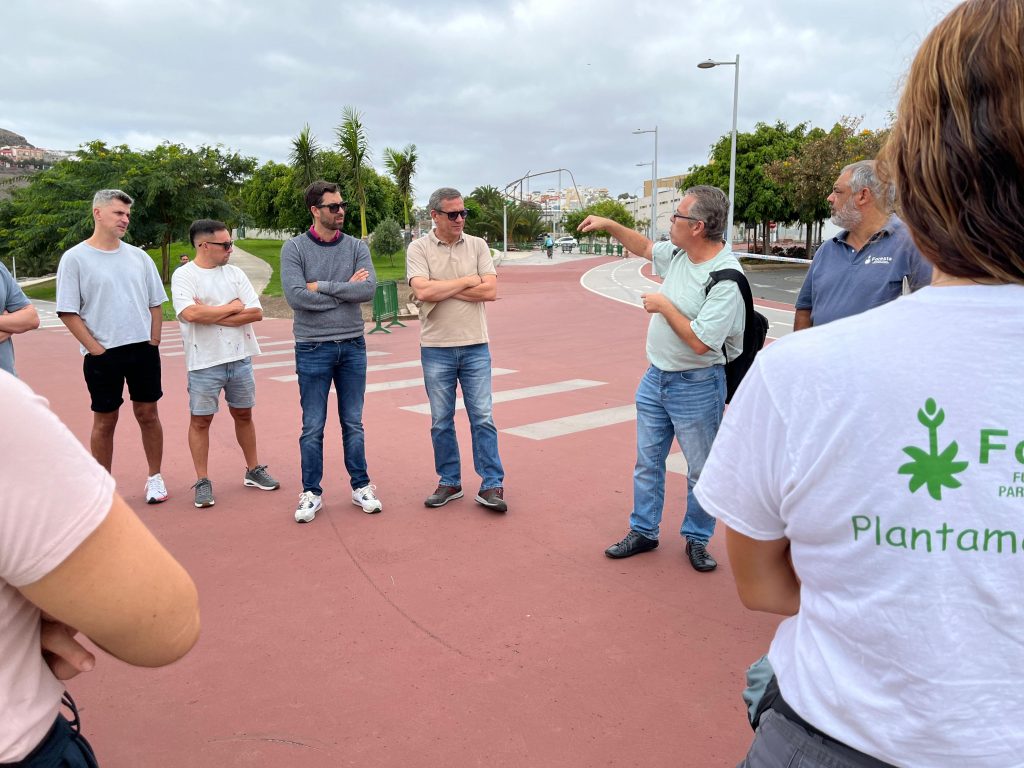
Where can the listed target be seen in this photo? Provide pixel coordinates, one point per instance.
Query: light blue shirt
(12, 298)
(716, 320)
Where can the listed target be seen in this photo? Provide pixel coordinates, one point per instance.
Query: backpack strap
(720, 275)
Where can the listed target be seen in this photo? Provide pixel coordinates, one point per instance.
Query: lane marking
(386, 386)
(568, 425)
(508, 395)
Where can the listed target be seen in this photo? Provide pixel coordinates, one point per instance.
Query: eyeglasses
(675, 216)
(226, 245)
(334, 207)
(454, 215)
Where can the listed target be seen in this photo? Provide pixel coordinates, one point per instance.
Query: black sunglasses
(334, 207)
(226, 245)
(454, 215)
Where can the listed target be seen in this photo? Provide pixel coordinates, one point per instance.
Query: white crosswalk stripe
(523, 393)
(385, 386)
(568, 425)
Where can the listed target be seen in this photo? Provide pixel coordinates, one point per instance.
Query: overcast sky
(487, 91)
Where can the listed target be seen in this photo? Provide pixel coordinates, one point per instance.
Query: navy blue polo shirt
(842, 281)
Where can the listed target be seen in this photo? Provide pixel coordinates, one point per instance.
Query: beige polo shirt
(452, 322)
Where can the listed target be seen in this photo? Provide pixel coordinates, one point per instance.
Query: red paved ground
(417, 637)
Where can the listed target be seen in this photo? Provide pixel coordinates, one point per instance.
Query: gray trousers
(780, 743)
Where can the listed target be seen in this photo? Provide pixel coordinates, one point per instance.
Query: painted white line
(508, 395)
(262, 354)
(567, 425)
(633, 286)
(281, 364)
(676, 463)
(386, 386)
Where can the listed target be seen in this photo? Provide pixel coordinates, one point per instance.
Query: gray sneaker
(204, 492)
(258, 477)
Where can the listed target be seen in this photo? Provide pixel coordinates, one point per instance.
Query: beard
(847, 217)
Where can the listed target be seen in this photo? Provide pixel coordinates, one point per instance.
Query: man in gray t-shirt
(109, 295)
(17, 315)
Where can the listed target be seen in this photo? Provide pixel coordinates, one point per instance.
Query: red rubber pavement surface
(420, 637)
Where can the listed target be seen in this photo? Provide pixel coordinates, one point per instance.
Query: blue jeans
(318, 364)
(688, 406)
(470, 366)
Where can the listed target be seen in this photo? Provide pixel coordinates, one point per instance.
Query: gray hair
(440, 195)
(710, 205)
(864, 176)
(107, 196)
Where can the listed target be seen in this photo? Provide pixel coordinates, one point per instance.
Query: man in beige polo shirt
(452, 274)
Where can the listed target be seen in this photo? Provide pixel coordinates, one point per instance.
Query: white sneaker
(156, 491)
(363, 497)
(309, 505)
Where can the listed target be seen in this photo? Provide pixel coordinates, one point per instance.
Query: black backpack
(755, 330)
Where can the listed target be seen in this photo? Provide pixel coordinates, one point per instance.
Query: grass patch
(270, 252)
(43, 291)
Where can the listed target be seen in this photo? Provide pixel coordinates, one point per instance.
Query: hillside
(12, 139)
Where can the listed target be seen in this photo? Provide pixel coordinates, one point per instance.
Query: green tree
(402, 167)
(609, 209)
(174, 185)
(305, 157)
(758, 199)
(806, 177)
(355, 149)
(171, 184)
(387, 240)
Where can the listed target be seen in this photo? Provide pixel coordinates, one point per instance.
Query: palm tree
(305, 157)
(355, 151)
(402, 166)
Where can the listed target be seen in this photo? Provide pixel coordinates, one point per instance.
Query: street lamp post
(654, 181)
(732, 160)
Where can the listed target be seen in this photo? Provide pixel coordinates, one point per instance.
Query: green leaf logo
(934, 468)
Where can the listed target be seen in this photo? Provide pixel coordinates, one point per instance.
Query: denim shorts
(235, 378)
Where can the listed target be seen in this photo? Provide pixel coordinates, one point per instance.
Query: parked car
(567, 243)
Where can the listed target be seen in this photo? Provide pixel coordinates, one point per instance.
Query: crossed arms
(18, 321)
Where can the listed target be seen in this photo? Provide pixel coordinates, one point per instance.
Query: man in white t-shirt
(216, 306)
(109, 295)
(83, 558)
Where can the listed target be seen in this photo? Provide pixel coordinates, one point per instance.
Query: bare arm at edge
(124, 591)
(802, 319)
(764, 575)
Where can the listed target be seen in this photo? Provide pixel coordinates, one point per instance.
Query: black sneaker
(633, 544)
(443, 495)
(492, 498)
(700, 559)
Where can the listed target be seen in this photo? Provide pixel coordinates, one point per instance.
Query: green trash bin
(618, 249)
(584, 247)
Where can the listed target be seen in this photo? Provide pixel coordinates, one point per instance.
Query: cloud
(487, 91)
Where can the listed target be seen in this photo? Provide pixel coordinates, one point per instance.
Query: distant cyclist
(549, 245)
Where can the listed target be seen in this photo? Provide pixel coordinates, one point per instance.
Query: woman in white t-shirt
(72, 548)
(870, 472)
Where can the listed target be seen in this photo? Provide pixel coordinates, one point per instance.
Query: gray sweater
(332, 311)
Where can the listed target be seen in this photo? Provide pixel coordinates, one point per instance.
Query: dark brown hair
(315, 192)
(956, 151)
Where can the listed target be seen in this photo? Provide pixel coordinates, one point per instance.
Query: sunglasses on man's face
(226, 245)
(455, 215)
(334, 207)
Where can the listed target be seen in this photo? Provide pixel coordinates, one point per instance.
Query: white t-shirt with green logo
(889, 449)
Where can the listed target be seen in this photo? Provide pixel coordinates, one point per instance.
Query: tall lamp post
(732, 160)
(654, 181)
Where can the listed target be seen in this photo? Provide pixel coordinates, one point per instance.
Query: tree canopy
(609, 209)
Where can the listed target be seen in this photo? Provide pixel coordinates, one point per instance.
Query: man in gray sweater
(326, 275)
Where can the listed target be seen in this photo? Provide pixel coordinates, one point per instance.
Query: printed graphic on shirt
(936, 469)
(933, 468)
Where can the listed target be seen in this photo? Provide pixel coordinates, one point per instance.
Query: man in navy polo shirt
(863, 266)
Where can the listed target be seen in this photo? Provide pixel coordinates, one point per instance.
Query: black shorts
(105, 375)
